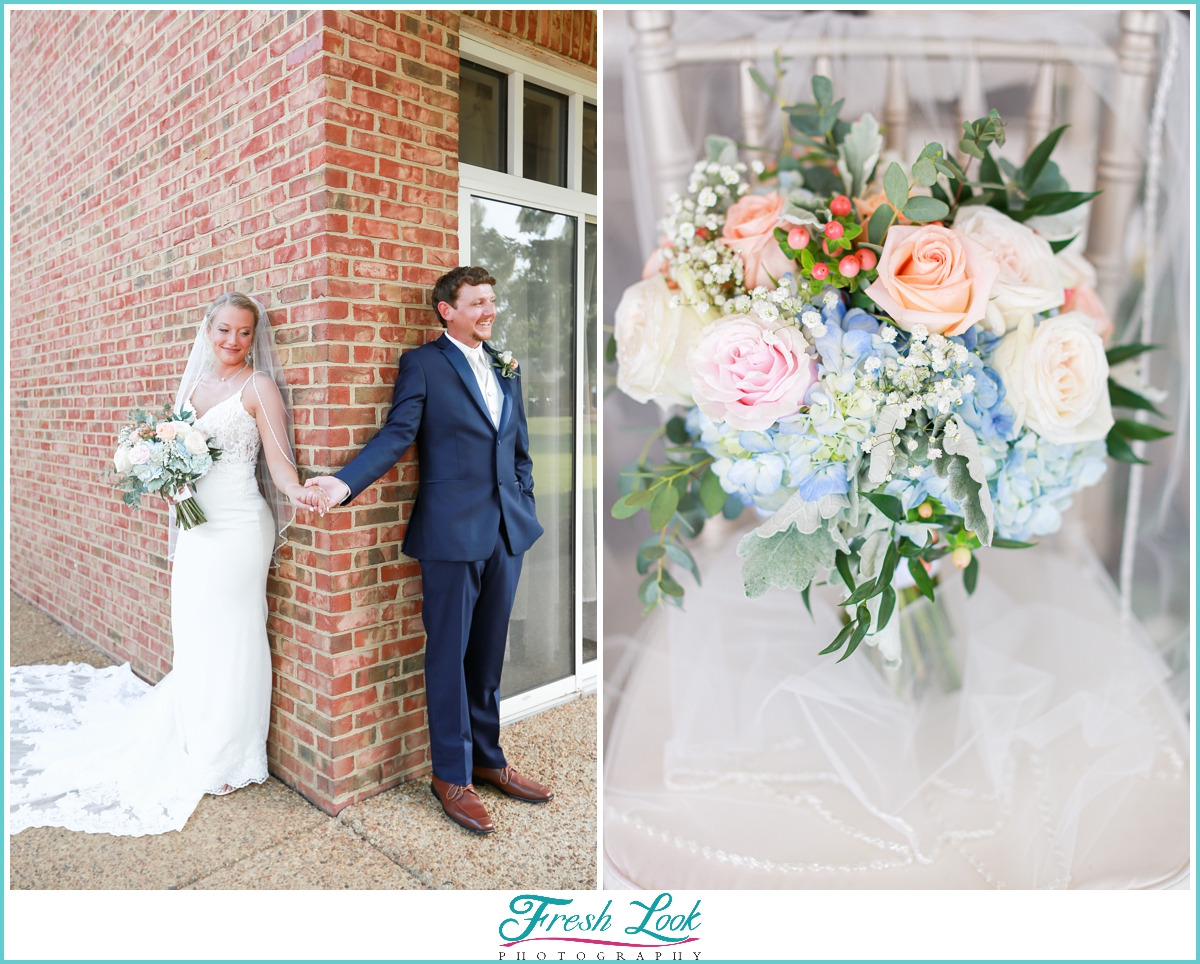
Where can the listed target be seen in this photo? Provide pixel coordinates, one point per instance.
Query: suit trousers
(466, 610)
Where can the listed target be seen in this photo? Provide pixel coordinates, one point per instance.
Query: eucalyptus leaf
(924, 209)
(895, 186)
(640, 497)
(881, 220)
(925, 172)
(663, 506)
(623, 510)
(758, 79)
(822, 88)
(711, 493)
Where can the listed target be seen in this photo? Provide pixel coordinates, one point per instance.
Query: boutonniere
(506, 364)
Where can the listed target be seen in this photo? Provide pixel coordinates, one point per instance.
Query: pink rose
(1084, 300)
(936, 277)
(750, 231)
(749, 372)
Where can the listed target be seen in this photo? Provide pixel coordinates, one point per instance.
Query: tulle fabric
(1061, 762)
(103, 752)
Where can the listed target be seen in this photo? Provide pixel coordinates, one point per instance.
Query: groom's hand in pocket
(335, 489)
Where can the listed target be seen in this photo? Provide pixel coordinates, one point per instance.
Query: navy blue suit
(473, 519)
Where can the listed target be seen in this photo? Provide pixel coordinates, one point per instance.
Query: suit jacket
(473, 474)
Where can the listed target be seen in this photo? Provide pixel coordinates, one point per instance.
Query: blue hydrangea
(1035, 484)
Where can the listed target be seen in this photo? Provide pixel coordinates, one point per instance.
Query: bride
(99, 750)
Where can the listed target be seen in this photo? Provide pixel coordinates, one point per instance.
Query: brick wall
(571, 33)
(308, 158)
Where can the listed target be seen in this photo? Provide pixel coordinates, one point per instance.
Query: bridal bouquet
(164, 456)
(892, 366)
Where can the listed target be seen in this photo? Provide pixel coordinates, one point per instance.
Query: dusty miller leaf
(883, 452)
(859, 152)
(968, 478)
(808, 516)
(788, 559)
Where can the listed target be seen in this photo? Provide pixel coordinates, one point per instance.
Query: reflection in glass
(591, 404)
(532, 255)
(545, 139)
(482, 117)
(589, 149)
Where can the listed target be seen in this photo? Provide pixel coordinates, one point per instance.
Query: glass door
(532, 255)
(527, 202)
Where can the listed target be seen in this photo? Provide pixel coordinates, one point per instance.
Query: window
(590, 152)
(528, 214)
(482, 117)
(545, 135)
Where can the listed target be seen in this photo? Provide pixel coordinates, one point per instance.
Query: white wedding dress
(100, 750)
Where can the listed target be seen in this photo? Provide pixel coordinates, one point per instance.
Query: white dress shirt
(485, 375)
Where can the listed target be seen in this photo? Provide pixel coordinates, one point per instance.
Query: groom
(473, 520)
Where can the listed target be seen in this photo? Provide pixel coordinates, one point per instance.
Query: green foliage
(889, 505)
(1121, 397)
(788, 559)
(980, 134)
(923, 209)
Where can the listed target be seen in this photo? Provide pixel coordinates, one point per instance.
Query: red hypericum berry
(820, 271)
(834, 230)
(798, 238)
(825, 247)
(849, 266)
(840, 206)
(866, 258)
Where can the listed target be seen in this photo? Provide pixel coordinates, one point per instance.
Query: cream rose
(1029, 279)
(121, 460)
(750, 231)
(196, 442)
(653, 340)
(165, 431)
(1056, 377)
(934, 276)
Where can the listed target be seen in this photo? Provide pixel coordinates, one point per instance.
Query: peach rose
(165, 431)
(750, 231)
(936, 277)
(749, 372)
(1085, 300)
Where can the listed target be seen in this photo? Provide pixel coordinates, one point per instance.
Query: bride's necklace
(231, 374)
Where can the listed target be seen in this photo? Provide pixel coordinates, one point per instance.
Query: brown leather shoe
(462, 805)
(507, 780)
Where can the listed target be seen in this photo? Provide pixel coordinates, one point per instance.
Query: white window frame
(513, 188)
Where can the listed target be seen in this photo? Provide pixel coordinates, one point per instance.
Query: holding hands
(331, 490)
(307, 498)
